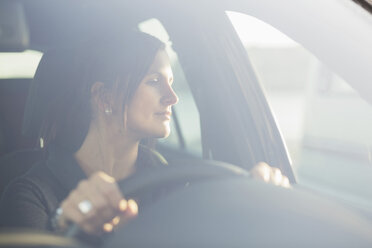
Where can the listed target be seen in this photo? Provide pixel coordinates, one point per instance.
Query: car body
(227, 116)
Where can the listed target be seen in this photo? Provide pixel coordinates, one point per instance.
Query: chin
(163, 133)
(166, 135)
(160, 133)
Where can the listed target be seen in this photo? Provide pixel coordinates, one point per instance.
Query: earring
(108, 111)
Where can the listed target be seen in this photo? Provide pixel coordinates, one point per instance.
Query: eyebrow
(154, 74)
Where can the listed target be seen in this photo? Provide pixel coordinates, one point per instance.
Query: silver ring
(85, 206)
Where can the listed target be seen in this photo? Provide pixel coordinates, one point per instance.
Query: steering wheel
(179, 172)
(217, 213)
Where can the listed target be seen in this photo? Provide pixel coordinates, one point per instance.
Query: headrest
(49, 81)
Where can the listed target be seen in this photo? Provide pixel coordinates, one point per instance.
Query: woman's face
(149, 112)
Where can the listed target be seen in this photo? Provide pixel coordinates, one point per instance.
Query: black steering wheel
(168, 178)
(222, 208)
(179, 172)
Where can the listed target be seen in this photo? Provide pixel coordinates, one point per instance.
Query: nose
(170, 97)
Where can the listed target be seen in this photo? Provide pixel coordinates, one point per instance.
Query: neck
(116, 156)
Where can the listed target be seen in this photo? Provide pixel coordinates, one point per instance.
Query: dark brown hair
(117, 61)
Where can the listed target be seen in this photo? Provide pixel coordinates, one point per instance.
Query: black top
(31, 200)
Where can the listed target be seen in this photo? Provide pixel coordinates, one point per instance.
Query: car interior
(43, 34)
(233, 134)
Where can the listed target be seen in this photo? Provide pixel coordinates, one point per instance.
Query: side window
(19, 65)
(185, 135)
(324, 122)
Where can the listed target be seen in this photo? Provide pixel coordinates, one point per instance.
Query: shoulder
(29, 199)
(21, 202)
(35, 185)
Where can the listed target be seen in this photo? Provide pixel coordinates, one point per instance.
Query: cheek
(143, 105)
(138, 112)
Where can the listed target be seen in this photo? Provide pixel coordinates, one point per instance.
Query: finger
(285, 182)
(276, 176)
(132, 208)
(107, 186)
(261, 171)
(115, 221)
(109, 226)
(101, 211)
(130, 213)
(91, 221)
(71, 213)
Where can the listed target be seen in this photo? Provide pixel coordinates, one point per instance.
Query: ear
(101, 98)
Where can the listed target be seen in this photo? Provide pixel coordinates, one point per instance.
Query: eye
(153, 81)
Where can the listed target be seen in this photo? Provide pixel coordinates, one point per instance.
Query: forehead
(161, 64)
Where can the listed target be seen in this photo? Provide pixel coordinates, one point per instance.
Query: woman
(99, 101)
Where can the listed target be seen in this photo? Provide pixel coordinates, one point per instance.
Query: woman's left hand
(266, 173)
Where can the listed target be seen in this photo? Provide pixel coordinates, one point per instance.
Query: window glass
(324, 122)
(187, 136)
(19, 65)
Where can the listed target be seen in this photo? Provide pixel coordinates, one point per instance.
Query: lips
(164, 114)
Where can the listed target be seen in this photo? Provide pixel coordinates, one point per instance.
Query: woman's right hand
(97, 205)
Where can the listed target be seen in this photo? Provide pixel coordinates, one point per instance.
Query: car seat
(13, 95)
(17, 152)
(21, 134)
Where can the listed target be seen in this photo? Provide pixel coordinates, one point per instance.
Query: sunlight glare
(264, 34)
